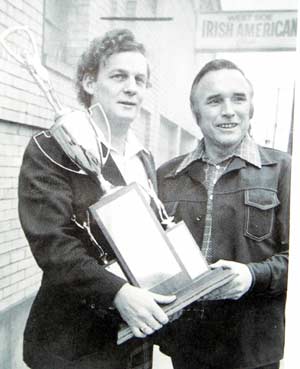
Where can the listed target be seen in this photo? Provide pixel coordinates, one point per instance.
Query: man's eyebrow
(211, 97)
(240, 94)
(119, 70)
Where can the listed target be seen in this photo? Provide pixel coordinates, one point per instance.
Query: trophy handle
(93, 114)
(79, 171)
(165, 219)
(86, 226)
(27, 55)
(3, 40)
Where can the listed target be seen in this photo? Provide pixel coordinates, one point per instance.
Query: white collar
(132, 146)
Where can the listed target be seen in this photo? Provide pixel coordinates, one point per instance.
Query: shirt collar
(247, 150)
(133, 146)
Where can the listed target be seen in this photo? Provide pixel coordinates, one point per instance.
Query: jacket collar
(266, 157)
(247, 151)
(111, 173)
(133, 147)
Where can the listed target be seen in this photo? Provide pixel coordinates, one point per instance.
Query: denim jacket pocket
(260, 207)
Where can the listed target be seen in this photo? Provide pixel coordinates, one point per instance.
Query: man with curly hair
(74, 319)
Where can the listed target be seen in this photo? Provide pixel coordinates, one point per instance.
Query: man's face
(120, 86)
(222, 102)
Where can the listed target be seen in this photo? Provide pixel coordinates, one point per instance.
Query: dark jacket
(250, 225)
(70, 318)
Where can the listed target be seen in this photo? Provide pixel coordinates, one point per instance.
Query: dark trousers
(179, 364)
(136, 354)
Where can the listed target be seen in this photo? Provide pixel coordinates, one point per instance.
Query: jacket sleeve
(270, 275)
(45, 209)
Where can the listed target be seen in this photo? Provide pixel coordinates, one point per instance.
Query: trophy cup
(162, 261)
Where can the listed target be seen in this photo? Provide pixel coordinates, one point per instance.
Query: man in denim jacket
(234, 196)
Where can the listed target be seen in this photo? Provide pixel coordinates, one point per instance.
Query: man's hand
(139, 309)
(235, 288)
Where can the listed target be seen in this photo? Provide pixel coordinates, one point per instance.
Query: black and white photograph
(149, 176)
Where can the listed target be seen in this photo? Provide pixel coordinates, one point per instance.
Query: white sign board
(247, 31)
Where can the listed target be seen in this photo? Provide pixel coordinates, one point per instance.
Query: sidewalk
(12, 324)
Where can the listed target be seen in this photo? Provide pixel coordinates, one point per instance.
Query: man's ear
(251, 111)
(88, 83)
(196, 114)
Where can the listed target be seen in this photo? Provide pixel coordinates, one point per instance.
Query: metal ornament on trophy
(163, 261)
(19, 43)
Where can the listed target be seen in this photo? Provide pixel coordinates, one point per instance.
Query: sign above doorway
(269, 30)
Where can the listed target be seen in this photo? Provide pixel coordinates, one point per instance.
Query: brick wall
(22, 108)
(21, 100)
(19, 274)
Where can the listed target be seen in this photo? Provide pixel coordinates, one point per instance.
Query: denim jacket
(250, 225)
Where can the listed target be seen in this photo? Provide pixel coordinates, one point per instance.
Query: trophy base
(201, 286)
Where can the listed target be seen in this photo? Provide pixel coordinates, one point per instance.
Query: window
(142, 128)
(168, 140)
(63, 40)
(131, 8)
(153, 5)
(55, 30)
(114, 8)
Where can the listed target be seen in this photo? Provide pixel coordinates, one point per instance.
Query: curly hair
(100, 49)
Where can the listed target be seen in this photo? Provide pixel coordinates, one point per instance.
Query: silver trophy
(163, 261)
(68, 130)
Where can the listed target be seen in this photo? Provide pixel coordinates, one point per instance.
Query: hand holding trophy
(164, 262)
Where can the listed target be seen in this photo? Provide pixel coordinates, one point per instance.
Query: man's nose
(228, 109)
(130, 86)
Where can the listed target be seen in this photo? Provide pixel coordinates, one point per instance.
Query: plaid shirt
(247, 151)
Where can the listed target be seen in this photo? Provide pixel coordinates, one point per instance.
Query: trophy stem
(165, 219)
(105, 186)
(87, 228)
(28, 58)
(40, 75)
